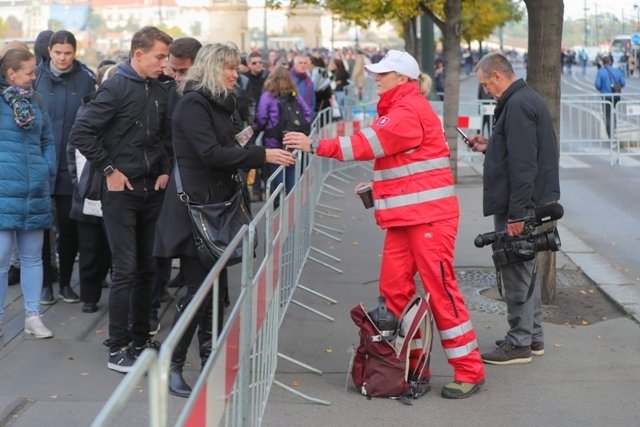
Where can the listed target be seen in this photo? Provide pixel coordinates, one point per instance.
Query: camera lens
(547, 241)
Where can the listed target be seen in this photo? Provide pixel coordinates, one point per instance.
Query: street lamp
(636, 7)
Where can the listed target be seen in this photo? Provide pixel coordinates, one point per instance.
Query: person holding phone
(415, 201)
(521, 172)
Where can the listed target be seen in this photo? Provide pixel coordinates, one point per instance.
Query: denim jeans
(29, 245)
(130, 221)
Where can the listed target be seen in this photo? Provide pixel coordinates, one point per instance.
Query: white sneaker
(34, 326)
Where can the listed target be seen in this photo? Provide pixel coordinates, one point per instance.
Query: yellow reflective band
(411, 169)
(456, 331)
(347, 149)
(415, 198)
(463, 350)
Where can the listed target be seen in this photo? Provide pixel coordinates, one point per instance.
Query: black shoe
(122, 360)
(46, 296)
(152, 344)
(537, 347)
(508, 354)
(177, 385)
(154, 324)
(14, 275)
(67, 295)
(89, 307)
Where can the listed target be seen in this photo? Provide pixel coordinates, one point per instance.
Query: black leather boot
(177, 385)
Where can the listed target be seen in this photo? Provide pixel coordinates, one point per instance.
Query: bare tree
(543, 75)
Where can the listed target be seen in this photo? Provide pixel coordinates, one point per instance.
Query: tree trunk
(543, 75)
(451, 50)
(411, 44)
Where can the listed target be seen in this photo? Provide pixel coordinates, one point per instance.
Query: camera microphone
(546, 213)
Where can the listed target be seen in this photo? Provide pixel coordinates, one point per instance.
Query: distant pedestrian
(607, 78)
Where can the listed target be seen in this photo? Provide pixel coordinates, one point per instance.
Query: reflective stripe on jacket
(412, 182)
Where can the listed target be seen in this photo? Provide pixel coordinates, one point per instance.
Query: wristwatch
(314, 145)
(108, 170)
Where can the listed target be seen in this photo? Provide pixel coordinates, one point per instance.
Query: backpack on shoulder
(392, 359)
(290, 119)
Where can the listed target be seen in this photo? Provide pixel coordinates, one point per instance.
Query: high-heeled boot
(177, 385)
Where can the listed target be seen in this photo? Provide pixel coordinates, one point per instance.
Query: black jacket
(129, 110)
(208, 157)
(521, 163)
(63, 96)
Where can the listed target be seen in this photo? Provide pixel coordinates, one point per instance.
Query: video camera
(514, 250)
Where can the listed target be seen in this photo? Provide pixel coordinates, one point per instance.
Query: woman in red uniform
(415, 201)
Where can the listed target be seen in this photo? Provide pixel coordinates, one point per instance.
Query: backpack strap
(416, 318)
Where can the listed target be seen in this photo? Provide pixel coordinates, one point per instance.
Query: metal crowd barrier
(233, 386)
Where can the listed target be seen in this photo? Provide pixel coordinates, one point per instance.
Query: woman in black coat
(204, 126)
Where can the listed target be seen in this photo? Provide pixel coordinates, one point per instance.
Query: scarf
(306, 89)
(19, 100)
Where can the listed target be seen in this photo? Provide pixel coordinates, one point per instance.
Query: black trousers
(67, 243)
(94, 260)
(130, 221)
(160, 281)
(194, 274)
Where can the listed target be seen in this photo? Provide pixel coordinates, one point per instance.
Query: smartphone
(464, 137)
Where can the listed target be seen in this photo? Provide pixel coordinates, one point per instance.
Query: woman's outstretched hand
(278, 156)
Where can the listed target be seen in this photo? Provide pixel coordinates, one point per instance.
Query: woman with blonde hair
(207, 157)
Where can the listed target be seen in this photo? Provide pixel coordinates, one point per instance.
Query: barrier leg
(302, 395)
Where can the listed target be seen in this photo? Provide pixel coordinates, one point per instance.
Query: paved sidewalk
(589, 375)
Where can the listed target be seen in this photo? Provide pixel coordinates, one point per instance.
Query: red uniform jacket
(412, 182)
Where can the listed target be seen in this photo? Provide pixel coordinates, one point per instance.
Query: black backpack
(290, 119)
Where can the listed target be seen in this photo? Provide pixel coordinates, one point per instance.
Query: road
(601, 200)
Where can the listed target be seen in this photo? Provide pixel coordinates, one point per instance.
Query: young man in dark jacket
(123, 133)
(520, 173)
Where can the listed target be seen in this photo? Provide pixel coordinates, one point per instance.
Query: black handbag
(214, 225)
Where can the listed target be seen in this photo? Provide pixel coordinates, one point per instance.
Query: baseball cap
(397, 61)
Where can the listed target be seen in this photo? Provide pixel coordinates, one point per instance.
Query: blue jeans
(30, 250)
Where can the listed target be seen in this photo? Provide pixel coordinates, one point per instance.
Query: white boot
(34, 326)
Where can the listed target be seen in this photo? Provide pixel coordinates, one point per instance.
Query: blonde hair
(425, 82)
(206, 71)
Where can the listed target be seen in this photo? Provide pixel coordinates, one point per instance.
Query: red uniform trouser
(428, 249)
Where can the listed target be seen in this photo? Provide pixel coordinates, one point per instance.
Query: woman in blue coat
(27, 155)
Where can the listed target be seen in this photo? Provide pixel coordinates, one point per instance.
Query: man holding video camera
(520, 175)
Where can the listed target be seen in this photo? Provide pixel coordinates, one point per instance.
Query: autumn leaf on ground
(295, 383)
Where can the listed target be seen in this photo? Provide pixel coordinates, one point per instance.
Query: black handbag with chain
(214, 225)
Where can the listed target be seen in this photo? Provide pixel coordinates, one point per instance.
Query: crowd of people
(171, 117)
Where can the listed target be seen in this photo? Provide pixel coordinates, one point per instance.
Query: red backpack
(396, 364)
